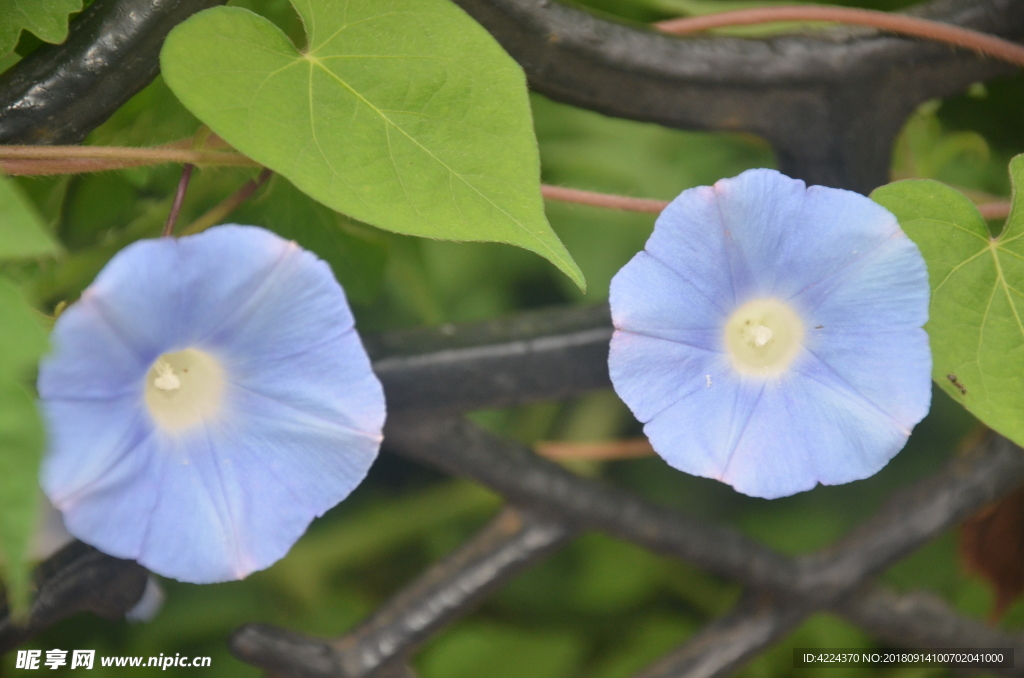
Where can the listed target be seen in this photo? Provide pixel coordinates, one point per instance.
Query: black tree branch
(78, 578)
(915, 516)
(60, 93)
(831, 104)
(532, 356)
(757, 621)
(512, 542)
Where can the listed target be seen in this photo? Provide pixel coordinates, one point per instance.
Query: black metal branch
(922, 619)
(830, 103)
(760, 620)
(513, 541)
(915, 515)
(911, 518)
(464, 449)
(757, 621)
(916, 619)
(78, 578)
(540, 355)
(60, 93)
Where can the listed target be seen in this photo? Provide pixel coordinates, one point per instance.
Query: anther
(762, 335)
(166, 379)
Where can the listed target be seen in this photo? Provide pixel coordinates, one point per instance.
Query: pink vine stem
(179, 198)
(595, 451)
(916, 27)
(103, 158)
(606, 200)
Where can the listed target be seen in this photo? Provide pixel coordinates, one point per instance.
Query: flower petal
(791, 236)
(90, 359)
(689, 238)
(250, 490)
(805, 431)
(650, 374)
(890, 370)
(100, 468)
(331, 381)
(886, 290)
(162, 295)
(298, 306)
(647, 296)
(698, 434)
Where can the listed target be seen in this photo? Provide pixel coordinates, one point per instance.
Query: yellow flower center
(763, 336)
(184, 388)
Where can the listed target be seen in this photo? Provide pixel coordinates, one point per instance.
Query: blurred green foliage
(600, 608)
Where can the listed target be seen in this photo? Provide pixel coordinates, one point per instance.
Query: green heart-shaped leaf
(976, 323)
(404, 114)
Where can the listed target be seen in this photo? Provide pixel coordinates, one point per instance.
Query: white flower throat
(763, 336)
(184, 389)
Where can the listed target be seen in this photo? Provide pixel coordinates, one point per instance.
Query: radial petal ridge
(333, 381)
(690, 238)
(886, 290)
(123, 491)
(661, 301)
(90, 358)
(651, 373)
(698, 434)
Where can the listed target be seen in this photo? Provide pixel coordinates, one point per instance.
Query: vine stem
(42, 160)
(124, 154)
(916, 27)
(595, 451)
(994, 210)
(179, 198)
(606, 200)
(228, 205)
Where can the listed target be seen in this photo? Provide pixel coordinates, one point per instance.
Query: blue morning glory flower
(770, 335)
(206, 398)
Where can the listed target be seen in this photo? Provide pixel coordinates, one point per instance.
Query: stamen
(166, 379)
(184, 389)
(763, 336)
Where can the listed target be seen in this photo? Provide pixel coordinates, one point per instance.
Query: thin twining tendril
(917, 27)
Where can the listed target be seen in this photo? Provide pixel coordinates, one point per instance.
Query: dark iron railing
(831, 106)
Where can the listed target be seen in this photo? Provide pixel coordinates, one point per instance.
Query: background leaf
(22, 342)
(976, 323)
(21, 448)
(46, 19)
(22, 339)
(403, 114)
(992, 546)
(22, 233)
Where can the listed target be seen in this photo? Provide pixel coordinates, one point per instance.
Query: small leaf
(22, 342)
(22, 339)
(992, 546)
(355, 254)
(976, 323)
(22, 233)
(46, 19)
(21, 449)
(403, 114)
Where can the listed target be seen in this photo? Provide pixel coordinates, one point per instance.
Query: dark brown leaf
(992, 546)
